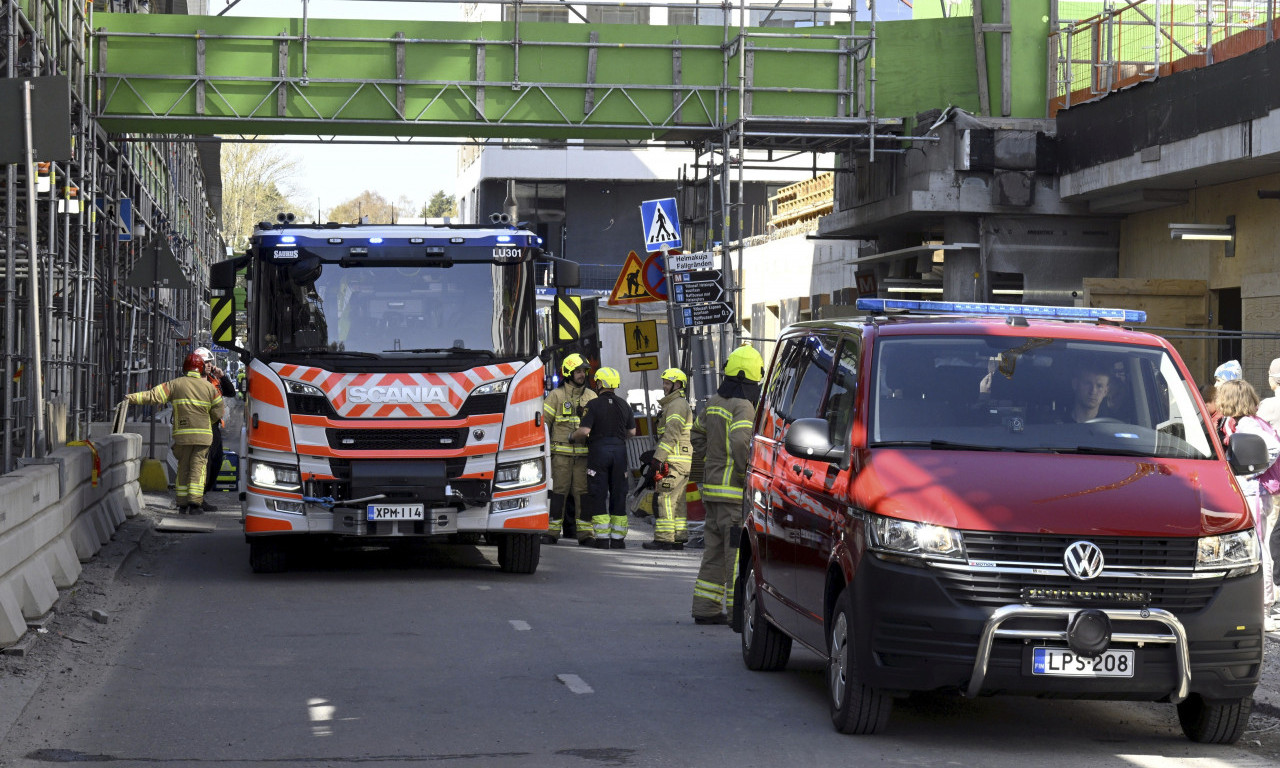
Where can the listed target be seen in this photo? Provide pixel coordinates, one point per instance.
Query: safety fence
(56, 513)
(1139, 41)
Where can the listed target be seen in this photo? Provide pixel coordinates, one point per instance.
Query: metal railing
(1142, 40)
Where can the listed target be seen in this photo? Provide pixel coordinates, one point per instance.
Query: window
(556, 14)
(816, 363)
(688, 16)
(606, 14)
(844, 386)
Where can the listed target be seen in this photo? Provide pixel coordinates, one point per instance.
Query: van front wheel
(764, 647)
(1214, 722)
(855, 706)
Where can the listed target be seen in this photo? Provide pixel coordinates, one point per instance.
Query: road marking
(321, 714)
(575, 684)
(484, 587)
(520, 626)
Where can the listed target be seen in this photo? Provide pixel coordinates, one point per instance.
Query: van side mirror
(810, 439)
(1246, 453)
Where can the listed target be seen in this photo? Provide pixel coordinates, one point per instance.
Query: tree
(257, 183)
(440, 205)
(368, 204)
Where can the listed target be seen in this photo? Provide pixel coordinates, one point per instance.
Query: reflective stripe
(708, 590)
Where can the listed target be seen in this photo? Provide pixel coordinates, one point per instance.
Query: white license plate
(1062, 662)
(378, 512)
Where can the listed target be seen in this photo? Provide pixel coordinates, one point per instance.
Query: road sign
(682, 262)
(644, 363)
(630, 287)
(696, 292)
(714, 313)
(655, 276)
(661, 224)
(866, 282)
(641, 336)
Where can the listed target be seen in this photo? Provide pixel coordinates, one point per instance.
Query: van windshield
(1034, 394)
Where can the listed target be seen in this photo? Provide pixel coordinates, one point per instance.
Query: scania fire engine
(394, 386)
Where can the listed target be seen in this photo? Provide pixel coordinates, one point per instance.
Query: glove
(657, 467)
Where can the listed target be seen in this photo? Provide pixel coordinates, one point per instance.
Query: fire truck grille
(396, 439)
(483, 405)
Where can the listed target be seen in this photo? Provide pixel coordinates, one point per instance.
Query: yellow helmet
(608, 378)
(676, 375)
(572, 363)
(746, 363)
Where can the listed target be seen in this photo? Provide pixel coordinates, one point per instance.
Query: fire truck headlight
(275, 476)
(493, 388)
(518, 474)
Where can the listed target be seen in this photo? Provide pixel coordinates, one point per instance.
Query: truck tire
(519, 552)
(855, 706)
(267, 556)
(764, 647)
(1214, 722)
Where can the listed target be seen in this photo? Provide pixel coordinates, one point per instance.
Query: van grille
(1000, 584)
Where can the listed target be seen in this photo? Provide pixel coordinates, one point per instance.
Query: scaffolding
(82, 323)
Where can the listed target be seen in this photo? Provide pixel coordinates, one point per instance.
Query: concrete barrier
(53, 518)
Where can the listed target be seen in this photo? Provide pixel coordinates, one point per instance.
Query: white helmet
(203, 352)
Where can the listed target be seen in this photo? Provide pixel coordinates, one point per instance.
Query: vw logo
(1083, 560)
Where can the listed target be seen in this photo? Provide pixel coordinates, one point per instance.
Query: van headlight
(906, 537)
(275, 476)
(518, 474)
(1235, 551)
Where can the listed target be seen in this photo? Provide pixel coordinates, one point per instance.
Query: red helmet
(193, 362)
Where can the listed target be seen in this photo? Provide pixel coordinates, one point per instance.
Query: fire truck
(394, 386)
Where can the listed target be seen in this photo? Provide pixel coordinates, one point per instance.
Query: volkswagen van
(999, 499)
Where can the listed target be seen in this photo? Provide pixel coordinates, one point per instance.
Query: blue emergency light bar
(984, 308)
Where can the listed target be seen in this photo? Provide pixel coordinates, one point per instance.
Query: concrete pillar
(964, 276)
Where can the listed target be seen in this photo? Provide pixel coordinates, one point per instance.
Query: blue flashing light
(504, 238)
(288, 239)
(985, 308)
(375, 241)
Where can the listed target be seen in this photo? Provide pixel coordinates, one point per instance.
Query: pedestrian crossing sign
(661, 225)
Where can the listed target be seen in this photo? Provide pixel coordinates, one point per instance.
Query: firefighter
(672, 458)
(562, 411)
(722, 434)
(197, 405)
(221, 382)
(607, 422)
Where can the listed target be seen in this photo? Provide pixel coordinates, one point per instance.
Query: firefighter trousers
(607, 488)
(188, 486)
(670, 521)
(568, 479)
(713, 591)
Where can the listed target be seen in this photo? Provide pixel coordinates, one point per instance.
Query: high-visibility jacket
(722, 433)
(197, 404)
(674, 446)
(562, 411)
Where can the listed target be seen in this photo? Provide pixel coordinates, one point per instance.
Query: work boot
(195, 509)
(208, 506)
(678, 546)
(602, 543)
(549, 539)
(586, 542)
(719, 618)
(657, 545)
(617, 543)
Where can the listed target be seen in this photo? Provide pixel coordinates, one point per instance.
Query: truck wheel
(519, 552)
(1214, 722)
(764, 647)
(855, 706)
(267, 556)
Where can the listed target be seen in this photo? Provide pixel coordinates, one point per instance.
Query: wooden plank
(399, 37)
(200, 73)
(1168, 304)
(677, 79)
(589, 93)
(980, 50)
(1260, 285)
(282, 71)
(1261, 313)
(1124, 285)
(480, 49)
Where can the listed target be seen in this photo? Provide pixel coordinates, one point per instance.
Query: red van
(999, 499)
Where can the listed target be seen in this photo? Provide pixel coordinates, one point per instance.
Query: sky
(330, 174)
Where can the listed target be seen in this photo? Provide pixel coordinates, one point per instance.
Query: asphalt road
(365, 659)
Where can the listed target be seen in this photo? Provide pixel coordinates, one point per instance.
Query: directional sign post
(661, 225)
(713, 313)
(697, 287)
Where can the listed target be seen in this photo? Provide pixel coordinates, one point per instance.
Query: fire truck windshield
(386, 311)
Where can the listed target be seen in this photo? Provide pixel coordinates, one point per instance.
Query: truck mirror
(566, 273)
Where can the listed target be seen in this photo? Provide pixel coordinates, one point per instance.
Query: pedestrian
(1238, 402)
(222, 382)
(196, 406)
(672, 459)
(722, 434)
(562, 412)
(607, 422)
(240, 382)
(1269, 411)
